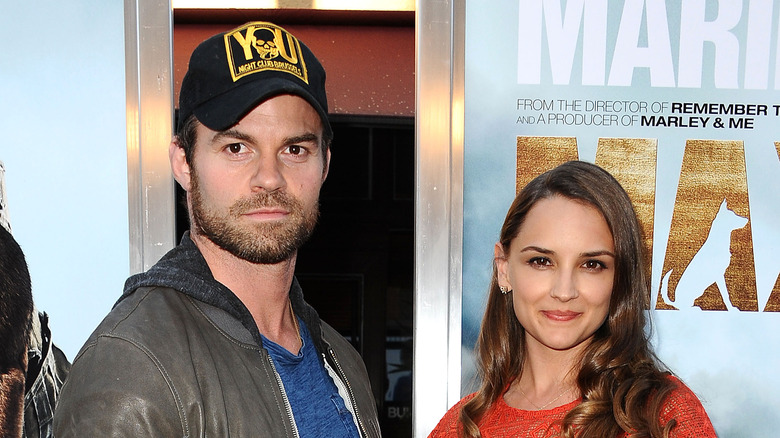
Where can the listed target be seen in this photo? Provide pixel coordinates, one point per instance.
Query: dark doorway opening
(357, 270)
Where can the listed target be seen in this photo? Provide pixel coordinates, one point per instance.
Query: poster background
(730, 359)
(62, 112)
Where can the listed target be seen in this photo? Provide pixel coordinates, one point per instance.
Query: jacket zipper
(363, 431)
(287, 406)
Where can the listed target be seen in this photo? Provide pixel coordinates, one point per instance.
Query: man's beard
(264, 242)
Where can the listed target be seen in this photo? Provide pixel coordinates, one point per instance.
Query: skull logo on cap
(266, 46)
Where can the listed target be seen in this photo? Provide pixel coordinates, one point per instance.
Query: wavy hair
(621, 382)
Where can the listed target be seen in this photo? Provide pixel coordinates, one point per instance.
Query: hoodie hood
(184, 269)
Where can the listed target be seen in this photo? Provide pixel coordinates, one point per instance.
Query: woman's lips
(561, 315)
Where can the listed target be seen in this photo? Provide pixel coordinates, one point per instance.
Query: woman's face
(560, 267)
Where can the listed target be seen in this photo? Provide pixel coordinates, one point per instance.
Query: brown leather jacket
(164, 363)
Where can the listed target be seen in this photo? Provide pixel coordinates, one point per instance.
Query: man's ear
(327, 165)
(179, 165)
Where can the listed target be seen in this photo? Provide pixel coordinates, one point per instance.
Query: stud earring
(504, 290)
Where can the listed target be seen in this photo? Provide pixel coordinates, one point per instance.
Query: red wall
(369, 66)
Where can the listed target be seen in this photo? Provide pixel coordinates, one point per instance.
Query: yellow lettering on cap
(285, 54)
(286, 50)
(246, 42)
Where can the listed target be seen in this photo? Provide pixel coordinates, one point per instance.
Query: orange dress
(504, 421)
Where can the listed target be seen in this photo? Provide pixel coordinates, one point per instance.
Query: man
(215, 339)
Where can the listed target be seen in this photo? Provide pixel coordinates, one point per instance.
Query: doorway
(357, 270)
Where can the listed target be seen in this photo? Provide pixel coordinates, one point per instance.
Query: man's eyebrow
(232, 134)
(239, 135)
(303, 138)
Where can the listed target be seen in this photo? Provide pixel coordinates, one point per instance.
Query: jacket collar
(184, 269)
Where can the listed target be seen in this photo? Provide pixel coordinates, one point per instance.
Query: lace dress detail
(504, 421)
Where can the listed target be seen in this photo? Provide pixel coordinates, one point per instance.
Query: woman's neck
(547, 380)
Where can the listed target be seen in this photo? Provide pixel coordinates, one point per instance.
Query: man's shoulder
(142, 304)
(148, 313)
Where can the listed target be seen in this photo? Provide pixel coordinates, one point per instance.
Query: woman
(562, 348)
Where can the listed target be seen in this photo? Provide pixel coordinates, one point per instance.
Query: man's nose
(268, 174)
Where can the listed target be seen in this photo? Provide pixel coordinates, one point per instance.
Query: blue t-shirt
(316, 404)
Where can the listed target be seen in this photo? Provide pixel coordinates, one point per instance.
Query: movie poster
(679, 100)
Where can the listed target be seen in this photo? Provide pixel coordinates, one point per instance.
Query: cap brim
(221, 112)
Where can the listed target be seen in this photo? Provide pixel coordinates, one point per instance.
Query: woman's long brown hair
(621, 382)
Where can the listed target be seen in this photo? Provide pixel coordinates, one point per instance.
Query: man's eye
(236, 148)
(295, 149)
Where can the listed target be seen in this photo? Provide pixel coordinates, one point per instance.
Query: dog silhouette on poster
(709, 264)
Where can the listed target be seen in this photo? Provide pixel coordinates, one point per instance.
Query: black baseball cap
(231, 73)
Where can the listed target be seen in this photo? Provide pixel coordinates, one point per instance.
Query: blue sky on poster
(726, 357)
(62, 112)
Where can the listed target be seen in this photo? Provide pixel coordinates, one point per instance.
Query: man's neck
(263, 288)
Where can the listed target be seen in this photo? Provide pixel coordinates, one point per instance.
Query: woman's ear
(499, 258)
(179, 165)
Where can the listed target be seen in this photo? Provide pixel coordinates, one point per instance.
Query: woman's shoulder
(680, 392)
(502, 420)
(684, 406)
(448, 425)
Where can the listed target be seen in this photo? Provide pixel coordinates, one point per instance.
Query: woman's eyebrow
(537, 249)
(597, 253)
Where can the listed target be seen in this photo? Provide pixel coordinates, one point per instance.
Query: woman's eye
(539, 261)
(594, 265)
